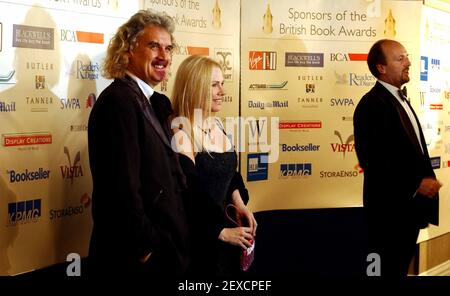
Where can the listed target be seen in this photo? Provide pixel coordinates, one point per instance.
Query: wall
(292, 86)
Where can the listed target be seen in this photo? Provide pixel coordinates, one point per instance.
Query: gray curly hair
(117, 59)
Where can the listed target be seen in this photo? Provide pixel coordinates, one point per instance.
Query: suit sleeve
(378, 133)
(117, 138)
(238, 183)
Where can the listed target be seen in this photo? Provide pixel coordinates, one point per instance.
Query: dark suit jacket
(393, 164)
(137, 184)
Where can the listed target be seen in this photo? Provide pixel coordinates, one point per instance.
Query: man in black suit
(139, 221)
(400, 187)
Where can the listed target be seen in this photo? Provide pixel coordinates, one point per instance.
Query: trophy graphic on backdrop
(216, 16)
(113, 4)
(267, 21)
(389, 26)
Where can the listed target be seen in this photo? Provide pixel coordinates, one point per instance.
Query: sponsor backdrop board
(210, 28)
(295, 75)
(432, 103)
(50, 77)
(50, 62)
(305, 63)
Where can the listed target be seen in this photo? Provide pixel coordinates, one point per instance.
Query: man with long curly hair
(139, 220)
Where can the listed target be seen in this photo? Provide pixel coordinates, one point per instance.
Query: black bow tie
(403, 94)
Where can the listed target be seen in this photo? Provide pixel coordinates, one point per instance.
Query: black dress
(211, 181)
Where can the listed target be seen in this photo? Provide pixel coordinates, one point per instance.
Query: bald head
(388, 61)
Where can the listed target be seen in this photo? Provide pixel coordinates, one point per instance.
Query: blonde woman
(209, 163)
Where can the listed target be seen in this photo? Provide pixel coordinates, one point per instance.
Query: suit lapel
(147, 109)
(163, 109)
(405, 120)
(422, 138)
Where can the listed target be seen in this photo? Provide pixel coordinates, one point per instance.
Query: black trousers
(396, 245)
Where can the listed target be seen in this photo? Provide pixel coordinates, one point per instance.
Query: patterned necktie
(403, 94)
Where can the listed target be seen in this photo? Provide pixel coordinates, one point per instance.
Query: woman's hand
(244, 212)
(237, 236)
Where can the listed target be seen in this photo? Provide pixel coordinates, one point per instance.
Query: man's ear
(130, 51)
(381, 69)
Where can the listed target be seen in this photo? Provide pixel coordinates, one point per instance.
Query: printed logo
(38, 103)
(257, 166)
(447, 148)
(79, 128)
(341, 102)
(257, 140)
(310, 77)
(73, 170)
(295, 170)
(299, 148)
(23, 212)
(341, 78)
(87, 71)
(343, 147)
(113, 4)
(17, 177)
(262, 60)
(436, 107)
(33, 37)
(225, 58)
(81, 36)
(301, 59)
(4, 79)
(355, 79)
(435, 90)
(347, 118)
(310, 88)
(90, 101)
(7, 107)
(262, 86)
(11, 140)
(70, 104)
(423, 68)
(341, 174)
(70, 211)
(435, 162)
(310, 102)
(190, 50)
(262, 105)
(227, 99)
(300, 125)
(435, 64)
(40, 81)
(257, 129)
(41, 66)
(345, 57)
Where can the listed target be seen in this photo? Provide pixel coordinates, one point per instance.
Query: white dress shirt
(394, 91)
(146, 89)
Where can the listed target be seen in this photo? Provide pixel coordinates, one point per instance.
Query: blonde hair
(192, 89)
(125, 39)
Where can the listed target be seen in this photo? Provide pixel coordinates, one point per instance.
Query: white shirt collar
(392, 89)
(146, 89)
